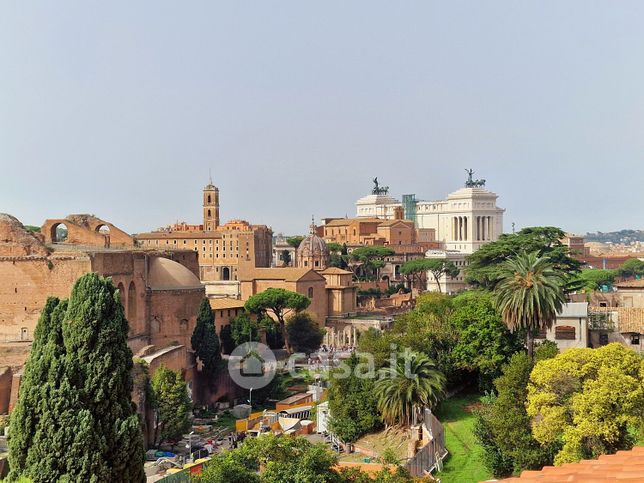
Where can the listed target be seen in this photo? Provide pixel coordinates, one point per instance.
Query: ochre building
(223, 250)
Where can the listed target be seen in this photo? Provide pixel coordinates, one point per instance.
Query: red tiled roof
(618, 467)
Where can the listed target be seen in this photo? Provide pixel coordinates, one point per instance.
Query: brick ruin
(160, 290)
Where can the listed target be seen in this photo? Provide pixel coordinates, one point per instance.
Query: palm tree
(529, 294)
(406, 387)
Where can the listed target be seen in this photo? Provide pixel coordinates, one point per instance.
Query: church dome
(313, 251)
(166, 274)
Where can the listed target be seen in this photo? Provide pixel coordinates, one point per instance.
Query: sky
(121, 109)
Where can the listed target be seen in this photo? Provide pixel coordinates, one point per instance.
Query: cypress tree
(100, 419)
(205, 341)
(75, 419)
(36, 384)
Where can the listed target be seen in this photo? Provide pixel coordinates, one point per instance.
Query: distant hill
(621, 236)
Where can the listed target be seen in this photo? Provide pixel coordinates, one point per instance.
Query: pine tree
(205, 341)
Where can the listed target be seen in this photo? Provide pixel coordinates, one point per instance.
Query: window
(565, 332)
(310, 292)
(635, 339)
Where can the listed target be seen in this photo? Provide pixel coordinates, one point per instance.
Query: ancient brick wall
(6, 376)
(173, 315)
(87, 230)
(25, 284)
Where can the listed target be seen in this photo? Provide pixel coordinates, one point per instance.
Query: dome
(312, 245)
(166, 274)
(312, 252)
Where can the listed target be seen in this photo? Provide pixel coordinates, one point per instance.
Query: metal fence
(430, 456)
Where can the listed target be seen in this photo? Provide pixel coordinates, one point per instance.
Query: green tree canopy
(484, 344)
(279, 302)
(631, 268)
(529, 293)
(40, 381)
(587, 398)
(273, 459)
(244, 329)
(294, 241)
(286, 258)
(334, 247)
(369, 260)
(426, 329)
(503, 425)
(437, 266)
(87, 428)
(407, 386)
(172, 405)
(205, 341)
(352, 403)
(485, 265)
(304, 333)
(592, 279)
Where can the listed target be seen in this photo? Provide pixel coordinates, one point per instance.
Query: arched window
(208, 199)
(121, 293)
(209, 215)
(131, 304)
(59, 233)
(310, 294)
(225, 273)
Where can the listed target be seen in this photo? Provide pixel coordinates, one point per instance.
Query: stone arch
(121, 289)
(103, 229)
(132, 308)
(59, 233)
(225, 273)
(155, 325)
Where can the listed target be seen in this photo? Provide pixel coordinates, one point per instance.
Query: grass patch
(464, 463)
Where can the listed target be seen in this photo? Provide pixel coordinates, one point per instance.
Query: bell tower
(210, 207)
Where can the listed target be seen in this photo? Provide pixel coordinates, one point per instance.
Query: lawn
(463, 464)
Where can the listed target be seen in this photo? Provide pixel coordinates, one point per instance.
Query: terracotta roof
(621, 466)
(629, 319)
(335, 271)
(630, 284)
(394, 222)
(348, 221)
(287, 274)
(226, 303)
(178, 234)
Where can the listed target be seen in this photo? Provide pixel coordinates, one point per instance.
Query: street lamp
(250, 398)
(189, 445)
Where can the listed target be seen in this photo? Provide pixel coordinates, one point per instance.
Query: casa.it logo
(252, 365)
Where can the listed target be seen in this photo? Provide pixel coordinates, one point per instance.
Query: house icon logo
(252, 365)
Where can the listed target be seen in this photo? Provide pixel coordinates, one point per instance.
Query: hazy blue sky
(121, 108)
